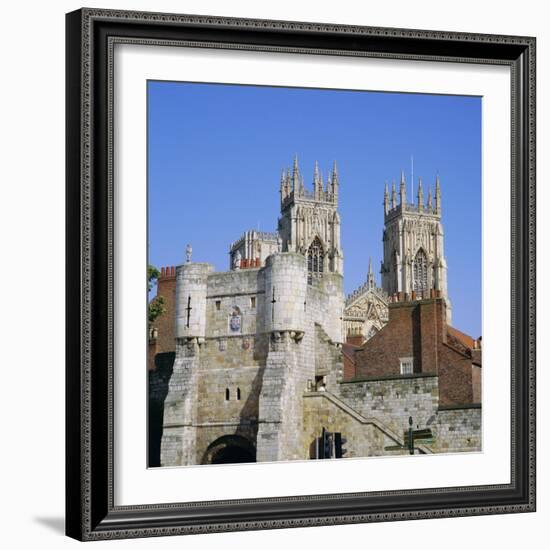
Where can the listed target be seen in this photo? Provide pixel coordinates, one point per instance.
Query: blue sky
(215, 154)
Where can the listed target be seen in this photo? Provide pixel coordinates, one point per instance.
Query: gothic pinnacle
(295, 174)
(370, 275)
(283, 184)
(335, 182)
(437, 195)
(393, 195)
(403, 190)
(420, 194)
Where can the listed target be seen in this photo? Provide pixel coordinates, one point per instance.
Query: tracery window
(420, 272)
(315, 260)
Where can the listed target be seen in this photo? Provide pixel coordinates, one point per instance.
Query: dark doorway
(230, 449)
(232, 455)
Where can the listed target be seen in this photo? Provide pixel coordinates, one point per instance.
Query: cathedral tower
(309, 222)
(414, 263)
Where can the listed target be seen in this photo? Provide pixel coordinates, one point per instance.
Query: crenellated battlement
(393, 208)
(168, 272)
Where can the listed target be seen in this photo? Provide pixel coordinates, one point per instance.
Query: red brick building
(418, 340)
(160, 360)
(161, 332)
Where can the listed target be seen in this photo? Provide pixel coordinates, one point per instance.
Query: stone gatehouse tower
(250, 341)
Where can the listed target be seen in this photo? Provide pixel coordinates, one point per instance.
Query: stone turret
(191, 283)
(179, 431)
(285, 293)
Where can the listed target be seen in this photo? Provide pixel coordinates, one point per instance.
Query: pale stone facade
(258, 368)
(414, 258)
(413, 263)
(366, 310)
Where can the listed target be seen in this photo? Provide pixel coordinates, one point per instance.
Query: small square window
(406, 365)
(253, 302)
(218, 305)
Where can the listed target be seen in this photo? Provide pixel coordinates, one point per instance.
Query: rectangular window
(253, 302)
(406, 364)
(218, 305)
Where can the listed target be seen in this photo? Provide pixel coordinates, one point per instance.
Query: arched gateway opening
(230, 449)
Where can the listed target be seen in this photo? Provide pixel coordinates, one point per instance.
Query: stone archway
(230, 449)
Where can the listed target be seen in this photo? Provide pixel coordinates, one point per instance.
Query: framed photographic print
(300, 274)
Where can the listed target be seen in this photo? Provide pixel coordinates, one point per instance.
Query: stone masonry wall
(393, 400)
(232, 362)
(457, 430)
(362, 439)
(159, 378)
(180, 407)
(235, 292)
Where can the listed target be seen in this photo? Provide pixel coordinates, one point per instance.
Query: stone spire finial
(386, 198)
(403, 190)
(437, 195)
(317, 182)
(334, 173)
(335, 183)
(430, 203)
(393, 195)
(295, 174)
(370, 275)
(283, 184)
(420, 195)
